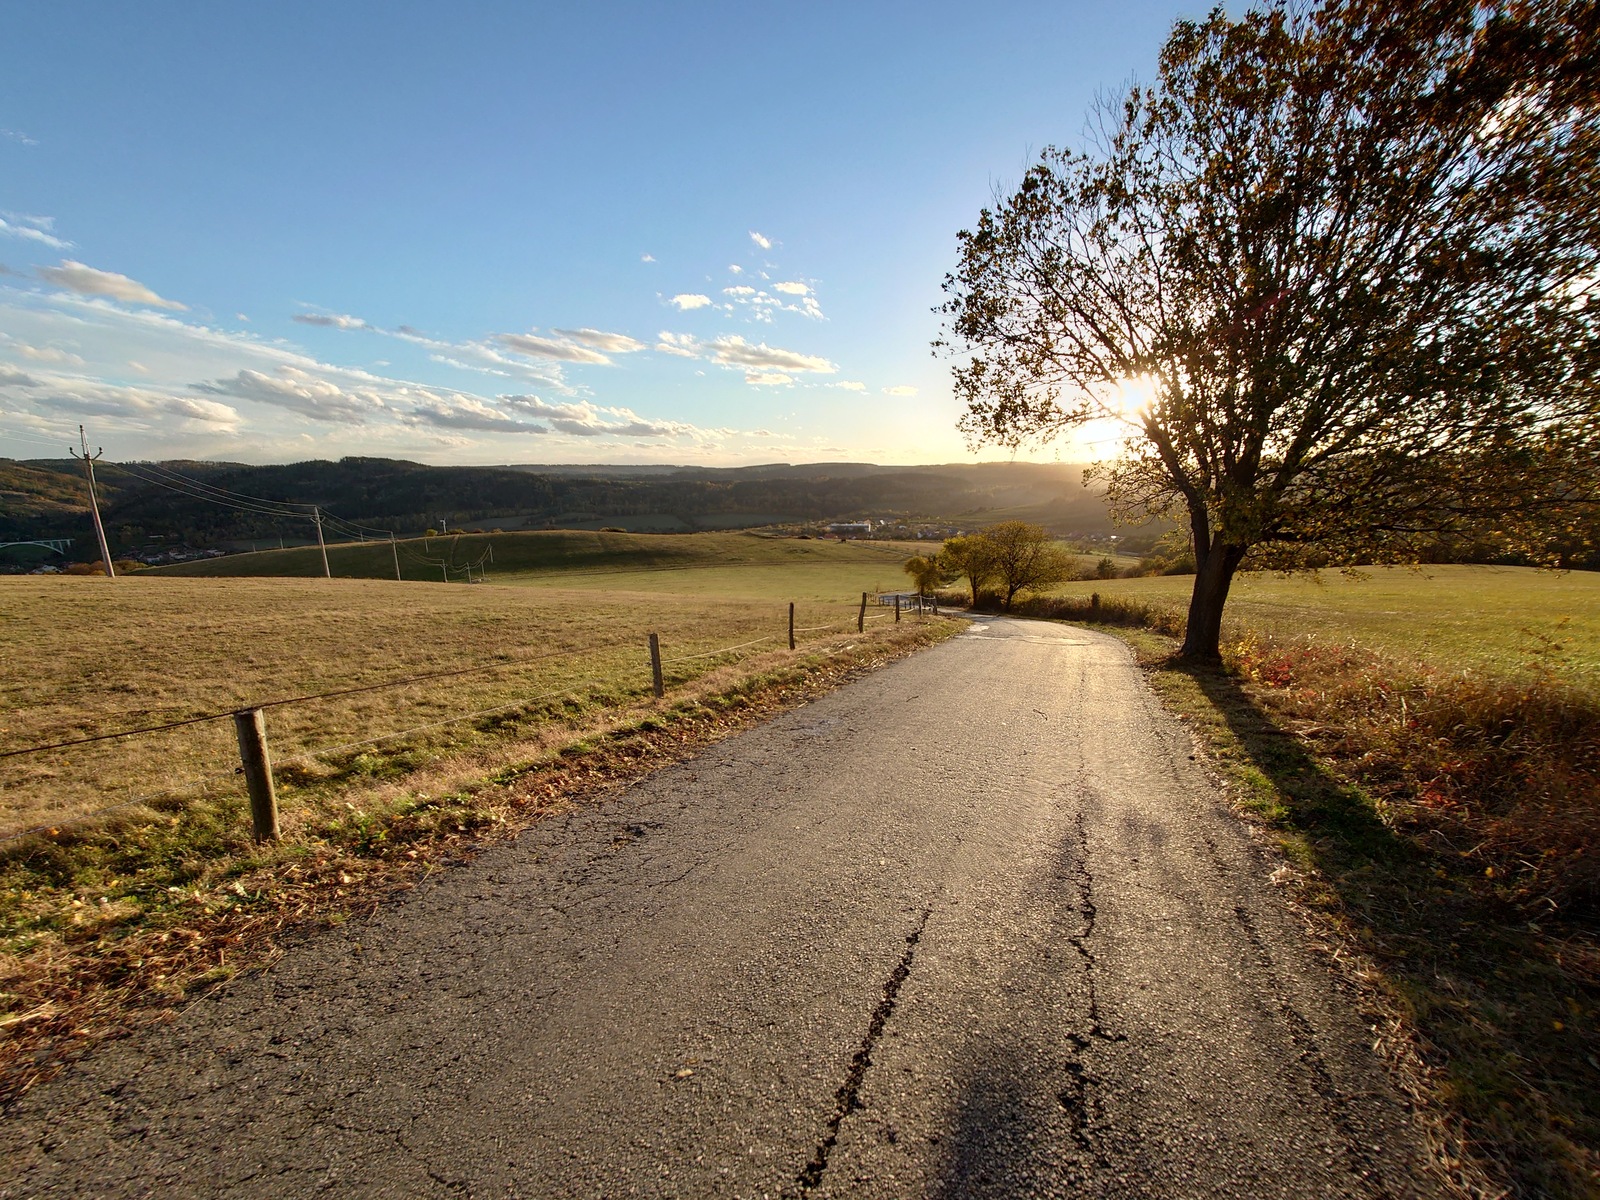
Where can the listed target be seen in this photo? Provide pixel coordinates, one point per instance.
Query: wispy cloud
(299, 391)
(535, 346)
(14, 378)
(88, 281)
(733, 350)
(851, 385)
(610, 343)
(90, 397)
(647, 258)
(761, 240)
(689, 300)
(32, 229)
(331, 320)
(469, 412)
(680, 344)
(900, 389)
(792, 289)
(16, 135)
(767, 378)
(43, 354)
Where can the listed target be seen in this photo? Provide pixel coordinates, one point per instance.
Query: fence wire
(322, 752)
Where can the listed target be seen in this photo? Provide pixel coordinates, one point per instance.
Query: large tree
(1335, 270)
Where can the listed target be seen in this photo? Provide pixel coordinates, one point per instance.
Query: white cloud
(87, 281)
(14, 378)
(469, 412)
(331, 320)
(851, 385)
(761, 240)
(300, 391)
(43, 354)
(647, 258)
(611, 343)
(739, 290)
(735, 269)
(32, 229)
(680, 344)
(901, 389)
(792, 289)
(734, 350)
(542, 347)
(488, 360)
(16, 135)
(767, 378)
(689, 300)
(92, 397)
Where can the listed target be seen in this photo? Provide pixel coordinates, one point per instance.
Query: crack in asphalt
(850, 1089)
(1077, 1098)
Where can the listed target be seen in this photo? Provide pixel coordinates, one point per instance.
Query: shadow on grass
(1504, 1008)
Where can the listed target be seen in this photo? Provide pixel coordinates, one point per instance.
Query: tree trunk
(1202, 638)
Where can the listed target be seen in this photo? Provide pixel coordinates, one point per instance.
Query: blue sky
(479, 233)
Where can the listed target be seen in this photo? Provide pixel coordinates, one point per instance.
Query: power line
(200, 483)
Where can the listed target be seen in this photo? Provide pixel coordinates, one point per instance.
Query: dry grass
(91, 656)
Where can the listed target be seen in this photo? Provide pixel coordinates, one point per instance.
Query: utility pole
(316, 518)
(394, 548)
(94, 505)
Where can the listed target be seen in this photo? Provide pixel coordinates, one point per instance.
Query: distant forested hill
(149, 504)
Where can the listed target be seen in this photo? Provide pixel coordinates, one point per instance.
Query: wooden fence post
(251, 727)
(861, 617)
(791, 624)
(897, 610)
(655, 666)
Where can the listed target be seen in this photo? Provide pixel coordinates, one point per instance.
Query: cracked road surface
(974, 925)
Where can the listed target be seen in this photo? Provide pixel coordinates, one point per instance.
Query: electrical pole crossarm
(94, 504)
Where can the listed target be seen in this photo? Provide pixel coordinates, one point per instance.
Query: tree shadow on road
(1504, 1009)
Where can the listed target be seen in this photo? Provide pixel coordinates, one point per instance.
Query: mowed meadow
(1498, 620)
(561, 621)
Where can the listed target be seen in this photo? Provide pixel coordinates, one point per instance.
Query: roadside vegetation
(1424, 747)
(128, 878)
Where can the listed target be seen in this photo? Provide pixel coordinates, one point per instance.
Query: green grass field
(748, 565)
(1493, 619)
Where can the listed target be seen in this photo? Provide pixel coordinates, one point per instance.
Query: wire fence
(587, 684)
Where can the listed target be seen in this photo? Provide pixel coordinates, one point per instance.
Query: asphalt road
(975, 925)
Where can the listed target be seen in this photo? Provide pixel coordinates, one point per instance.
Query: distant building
(851, 529)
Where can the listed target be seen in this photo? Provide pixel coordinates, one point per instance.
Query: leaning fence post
(655, 666)
(251, 727)
(861, 617)
(791, 624)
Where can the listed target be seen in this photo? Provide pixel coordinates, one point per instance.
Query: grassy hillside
(102, 656)
(1498, 619)
(701, 563)
(157, 506)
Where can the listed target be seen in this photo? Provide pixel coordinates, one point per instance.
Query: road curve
(975, 925)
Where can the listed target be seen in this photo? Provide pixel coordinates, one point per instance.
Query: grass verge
(1440, 829)
(108, 927)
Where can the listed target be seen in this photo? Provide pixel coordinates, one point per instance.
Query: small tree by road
(971, 555)
(924, 572)
(1026, 558)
